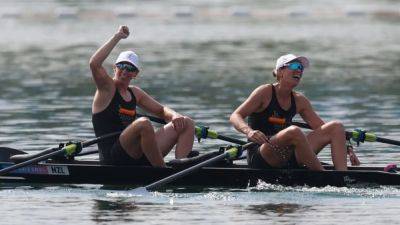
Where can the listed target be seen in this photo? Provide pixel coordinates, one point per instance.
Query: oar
(6, 153)
(201, 132)
(24, 156)
(231, 153)
(19, 156)
(357, 134)
(67, 150)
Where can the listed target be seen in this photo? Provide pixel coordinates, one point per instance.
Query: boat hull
(237, 176)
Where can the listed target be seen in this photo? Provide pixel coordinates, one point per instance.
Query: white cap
(128, 56)
(288, 58)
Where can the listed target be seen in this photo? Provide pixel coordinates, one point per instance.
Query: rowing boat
(226, 174)
(198, 171)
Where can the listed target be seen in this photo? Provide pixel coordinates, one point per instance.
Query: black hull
(235, 176)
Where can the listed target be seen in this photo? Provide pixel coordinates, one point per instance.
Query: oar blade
(67, 150)
(25, 157)
(6, 153)
(140, 191)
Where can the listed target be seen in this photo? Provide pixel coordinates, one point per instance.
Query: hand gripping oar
(200, 131)
(204, 132)
(230, 153)
(357, 135)
(67, 150)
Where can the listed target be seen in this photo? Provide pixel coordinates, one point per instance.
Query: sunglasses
(127, 67)
(295, 66)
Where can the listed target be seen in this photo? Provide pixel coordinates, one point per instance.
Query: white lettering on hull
(58, 170)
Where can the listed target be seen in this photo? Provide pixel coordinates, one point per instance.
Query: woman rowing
(114, 109)
(283, 145)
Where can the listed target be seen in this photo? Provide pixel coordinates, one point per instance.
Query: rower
(114, 109)
(287, 146)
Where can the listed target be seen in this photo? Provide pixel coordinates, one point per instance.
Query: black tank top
(116, 117)
(259, 120)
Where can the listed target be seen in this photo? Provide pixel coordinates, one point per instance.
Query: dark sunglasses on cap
(127, 67)
(294, 66)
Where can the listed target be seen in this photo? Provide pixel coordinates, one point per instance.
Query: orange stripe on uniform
(277, 121)
(127, 112)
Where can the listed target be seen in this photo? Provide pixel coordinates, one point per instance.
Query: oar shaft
(387, 141)
(69, 148)
(302, 125)
(98, 139)
(215, 136)
(153, 118)
(232, 140)
(31, 161)
(27, 157)
(185, 172)
(370, 137)
(350, 134)
(306, 126)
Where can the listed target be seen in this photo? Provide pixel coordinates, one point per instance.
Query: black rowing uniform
(116, 117)
(259, 121)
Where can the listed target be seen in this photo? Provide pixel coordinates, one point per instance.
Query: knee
(295, 133)
(189, 123)
(336, 127)
(143, 123)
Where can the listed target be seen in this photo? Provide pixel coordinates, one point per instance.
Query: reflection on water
(89, 204)
(117, 210)
(281, 209)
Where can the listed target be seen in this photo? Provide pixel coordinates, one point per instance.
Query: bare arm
(102, 80)
(152, 106)
(307, 112)
(253, 103)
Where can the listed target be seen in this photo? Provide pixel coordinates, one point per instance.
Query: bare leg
(138, 139)
(331, 133)
(167, 137)
(291, 136)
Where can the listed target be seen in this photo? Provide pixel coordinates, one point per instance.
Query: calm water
(201, 58)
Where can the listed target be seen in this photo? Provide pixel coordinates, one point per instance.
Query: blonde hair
(274, 73)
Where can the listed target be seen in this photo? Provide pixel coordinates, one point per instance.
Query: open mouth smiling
(297, 77)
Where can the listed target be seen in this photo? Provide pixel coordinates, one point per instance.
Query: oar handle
(200, 131)
(232, 140)
(152, 118)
